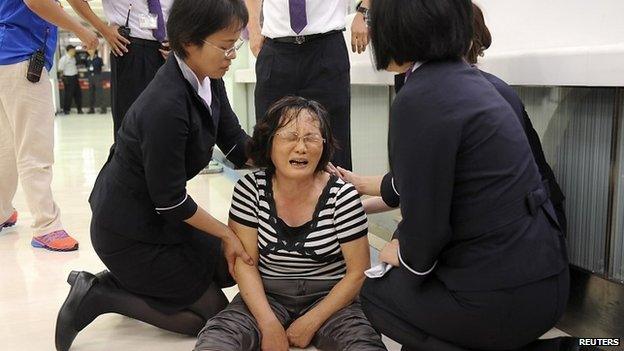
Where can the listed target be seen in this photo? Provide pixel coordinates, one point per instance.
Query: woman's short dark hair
(419, 30)
(69, 47)
(481, 39)
(280, 114)
(191, 21)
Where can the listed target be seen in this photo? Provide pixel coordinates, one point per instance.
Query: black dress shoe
(66, 330)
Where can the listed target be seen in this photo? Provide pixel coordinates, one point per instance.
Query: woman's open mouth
(298, 162)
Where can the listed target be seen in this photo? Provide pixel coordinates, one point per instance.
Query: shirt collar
(188, 73)
(203, 89)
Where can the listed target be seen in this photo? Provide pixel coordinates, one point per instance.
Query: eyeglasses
(293, 138)
(231, 52)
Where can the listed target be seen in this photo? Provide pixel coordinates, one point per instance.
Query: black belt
(301, 39)
(144, 42)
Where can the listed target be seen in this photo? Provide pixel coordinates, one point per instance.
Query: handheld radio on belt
(37, 61)
(124, 30)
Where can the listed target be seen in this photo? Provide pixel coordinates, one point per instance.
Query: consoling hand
(233, 249)
(390, 253)
(301, 332)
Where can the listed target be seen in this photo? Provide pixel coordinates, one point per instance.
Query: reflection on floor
(32, 282)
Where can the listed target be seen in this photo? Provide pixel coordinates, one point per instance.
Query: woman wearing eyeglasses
(307, 232)
(166, 255)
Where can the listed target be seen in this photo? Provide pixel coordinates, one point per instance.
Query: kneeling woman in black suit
(480, 259)
(163, 250)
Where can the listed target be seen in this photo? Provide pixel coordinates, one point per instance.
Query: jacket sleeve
(389, 193)
(231, 138)
(426, 186)
(163, 147)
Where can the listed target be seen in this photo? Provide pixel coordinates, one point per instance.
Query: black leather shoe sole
(66, 331)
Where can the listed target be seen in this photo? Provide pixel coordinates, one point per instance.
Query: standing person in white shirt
(67, 65)
(301, 51)
(135, 58)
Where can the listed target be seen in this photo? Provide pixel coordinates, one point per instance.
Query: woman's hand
(301, 331)
(331, 169)
(359, 33)
(232, 249)
(273, 336)
(363, 184)
(390, 253)
(116, 41)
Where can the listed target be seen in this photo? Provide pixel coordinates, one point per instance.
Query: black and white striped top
(313, 252)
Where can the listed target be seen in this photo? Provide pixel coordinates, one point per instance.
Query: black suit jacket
(557, 197)
(548, 176)
(166, 138)
(472, 198)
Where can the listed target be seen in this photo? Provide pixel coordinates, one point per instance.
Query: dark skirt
(170, 277)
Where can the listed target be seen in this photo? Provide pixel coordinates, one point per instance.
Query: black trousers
(432, 317)
(72, 92)
(95, 89)
(130, 75)
(317, 70)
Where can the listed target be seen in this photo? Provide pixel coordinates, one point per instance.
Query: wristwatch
(363, 10)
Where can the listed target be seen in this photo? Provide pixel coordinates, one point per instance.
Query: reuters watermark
(599, 342)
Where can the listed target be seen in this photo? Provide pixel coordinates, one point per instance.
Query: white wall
(556, 42)
(544, 24)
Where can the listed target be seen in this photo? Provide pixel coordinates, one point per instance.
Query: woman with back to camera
(480, 260)
(163, 251)
(384, 196)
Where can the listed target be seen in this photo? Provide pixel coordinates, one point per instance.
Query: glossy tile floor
(32, 281)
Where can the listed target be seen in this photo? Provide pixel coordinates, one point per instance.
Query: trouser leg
(235, 328)
(348, 330)
(8, 163)
(130, 75)
(30, 111)
(77, 94)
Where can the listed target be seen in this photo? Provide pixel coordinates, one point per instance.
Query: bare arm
(375, 205)
(232, 246)
(115, 40)
(50, 11)
(256, 39)
(252, 291)
(357, 258)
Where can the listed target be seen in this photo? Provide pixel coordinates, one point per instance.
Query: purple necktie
(298, 18)
(155, 8)
(409, 71)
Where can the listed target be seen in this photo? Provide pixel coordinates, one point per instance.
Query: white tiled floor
(32, 282)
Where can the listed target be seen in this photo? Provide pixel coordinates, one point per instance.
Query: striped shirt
(312, 253)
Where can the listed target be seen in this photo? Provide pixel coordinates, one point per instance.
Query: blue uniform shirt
(22, 33)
